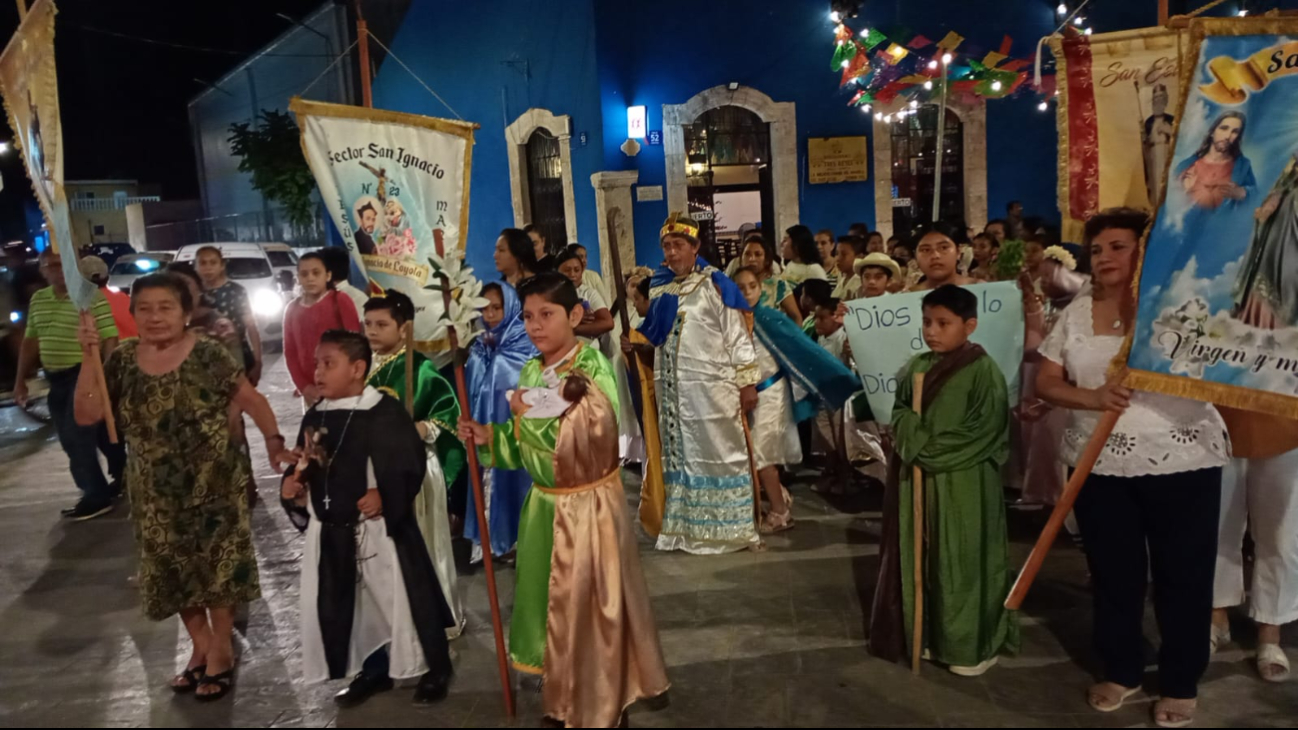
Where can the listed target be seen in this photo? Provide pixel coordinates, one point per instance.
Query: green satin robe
(529, 443)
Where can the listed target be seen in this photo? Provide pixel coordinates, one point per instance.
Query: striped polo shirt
(54, 321)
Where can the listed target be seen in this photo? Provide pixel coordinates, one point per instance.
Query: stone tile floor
(771, 639)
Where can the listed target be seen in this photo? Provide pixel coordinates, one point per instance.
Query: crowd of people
(730, 379)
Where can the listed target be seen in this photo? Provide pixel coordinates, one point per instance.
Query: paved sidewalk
(752, 640)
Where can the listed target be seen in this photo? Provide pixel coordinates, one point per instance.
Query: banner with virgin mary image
(1218, 309)
(396, 186)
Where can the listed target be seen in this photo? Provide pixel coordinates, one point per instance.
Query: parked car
(134, 265)
(109, 252)
(248, 265)
(283, 259)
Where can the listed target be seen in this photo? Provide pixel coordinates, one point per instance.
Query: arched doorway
(743, 115)
(896, 174)
(914, 164)
(540, 173)
(728, 150)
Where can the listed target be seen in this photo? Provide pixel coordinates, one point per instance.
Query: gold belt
(613, 477)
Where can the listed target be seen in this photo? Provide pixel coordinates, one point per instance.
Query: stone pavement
(767, 639)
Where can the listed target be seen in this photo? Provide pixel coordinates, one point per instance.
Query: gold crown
(680, 223)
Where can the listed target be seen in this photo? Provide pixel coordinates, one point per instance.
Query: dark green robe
(960, 442)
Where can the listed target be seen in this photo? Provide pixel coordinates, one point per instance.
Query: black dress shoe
(362, 688)
(432, 688)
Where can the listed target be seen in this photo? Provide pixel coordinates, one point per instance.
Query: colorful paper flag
(919, 42)
(1016, 64)
(951, 41)
(874, 38)
(1006, 44)
(992, 58)
(895, 53)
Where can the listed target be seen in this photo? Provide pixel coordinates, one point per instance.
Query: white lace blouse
(1158, 434)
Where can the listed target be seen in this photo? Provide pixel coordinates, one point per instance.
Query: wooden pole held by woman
(1085, 463)
(475, 478)
(95, 363)
(917, 507)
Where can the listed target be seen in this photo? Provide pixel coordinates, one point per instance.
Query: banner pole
(1046, 540)
(475, 478)
(941, 142)
(22, 10)
(917, 507)
(363, 55)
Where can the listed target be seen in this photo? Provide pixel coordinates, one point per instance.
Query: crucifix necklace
(337, 447)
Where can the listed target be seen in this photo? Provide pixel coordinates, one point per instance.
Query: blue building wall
(592, 58)
(491, 67)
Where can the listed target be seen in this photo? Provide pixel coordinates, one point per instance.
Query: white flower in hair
(1062, 255)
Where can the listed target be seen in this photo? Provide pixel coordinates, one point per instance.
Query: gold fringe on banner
(1233, 396)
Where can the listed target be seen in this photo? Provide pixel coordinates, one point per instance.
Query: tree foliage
(272, 154)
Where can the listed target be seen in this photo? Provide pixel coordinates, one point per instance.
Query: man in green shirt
(52, 323)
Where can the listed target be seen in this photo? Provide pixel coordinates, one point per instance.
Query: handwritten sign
(886, 332)
(837, 159)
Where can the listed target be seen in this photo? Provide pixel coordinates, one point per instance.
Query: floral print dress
(186, 479)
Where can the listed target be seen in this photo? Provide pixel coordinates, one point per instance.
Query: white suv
(248, 265)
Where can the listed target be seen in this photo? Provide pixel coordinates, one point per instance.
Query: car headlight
(267, 303)
(15, 317)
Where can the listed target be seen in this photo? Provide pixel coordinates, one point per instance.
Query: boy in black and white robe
(371, 604)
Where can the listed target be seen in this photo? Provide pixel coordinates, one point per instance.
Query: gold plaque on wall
(837, 159)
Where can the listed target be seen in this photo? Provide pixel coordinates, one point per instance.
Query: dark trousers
(1164, 525)
(376, 664)
(83, 443)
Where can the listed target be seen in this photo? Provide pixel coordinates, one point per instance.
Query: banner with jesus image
(395, 184)
(1218, 308)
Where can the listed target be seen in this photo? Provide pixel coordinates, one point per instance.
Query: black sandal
(192, 676)
(223, 681)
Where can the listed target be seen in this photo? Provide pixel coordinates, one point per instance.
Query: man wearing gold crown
(706, 376)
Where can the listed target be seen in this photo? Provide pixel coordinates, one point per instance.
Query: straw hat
(882, 260)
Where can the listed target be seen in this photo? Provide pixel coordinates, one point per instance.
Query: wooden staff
(96, 365)
(917, 507)
(619, 285)
(410, 368)
(1085, 463)
(475, 477)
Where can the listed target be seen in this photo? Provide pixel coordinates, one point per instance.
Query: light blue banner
(886, 332)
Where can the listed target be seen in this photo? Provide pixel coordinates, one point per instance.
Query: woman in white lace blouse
(1157, 483)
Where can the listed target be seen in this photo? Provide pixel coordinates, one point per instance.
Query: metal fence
(252, 227)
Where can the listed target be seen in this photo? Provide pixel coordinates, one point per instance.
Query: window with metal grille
(914, 161)
(545, 188)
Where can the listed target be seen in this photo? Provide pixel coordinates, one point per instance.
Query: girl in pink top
(317, 311)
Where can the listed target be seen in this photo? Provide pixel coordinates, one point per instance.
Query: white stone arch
(973, 117)
(782, 116)
(516, 137)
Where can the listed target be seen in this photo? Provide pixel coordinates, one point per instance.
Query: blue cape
(662, 310)
(496, 359)
(828, 382)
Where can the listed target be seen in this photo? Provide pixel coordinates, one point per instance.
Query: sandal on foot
(1101, 700)
(1174, 713)
(1220, 637)
(776, 522)
(224, 682)
(191, 677)
(1271, 655)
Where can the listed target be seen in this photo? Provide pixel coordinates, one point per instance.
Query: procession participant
(706, 376)
(496, 359)
(436, 413)
(371, 602)
(960, 440)
(172, 392)
(320, 308)
(1152, 502)
(581, 607)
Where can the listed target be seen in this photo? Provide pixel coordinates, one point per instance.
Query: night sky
(124, 101)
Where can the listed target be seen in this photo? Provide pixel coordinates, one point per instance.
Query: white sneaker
(975, 671)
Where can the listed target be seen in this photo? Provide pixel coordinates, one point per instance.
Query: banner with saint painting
(1218, 309)
(396, 186)
(1117, 96)
(31, 98)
